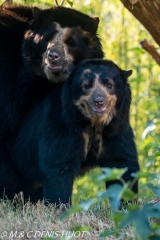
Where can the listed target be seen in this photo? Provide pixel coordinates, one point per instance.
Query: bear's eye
(109, 85)
(71, 42)
(87, 86)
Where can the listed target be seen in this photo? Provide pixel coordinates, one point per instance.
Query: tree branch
(151, 50)
(56, 3)
(148, 13)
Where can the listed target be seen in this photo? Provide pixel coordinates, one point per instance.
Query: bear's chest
(93, 140)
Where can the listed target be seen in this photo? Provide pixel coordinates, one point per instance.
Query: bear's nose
(53, 55)
(98, 101)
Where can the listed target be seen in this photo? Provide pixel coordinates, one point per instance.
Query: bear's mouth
(99, 110)
(54, 68)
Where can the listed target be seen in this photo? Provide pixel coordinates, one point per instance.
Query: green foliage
(145, 219)
(70, 2)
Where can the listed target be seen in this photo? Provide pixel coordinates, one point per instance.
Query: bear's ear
(36, 13)
(128, 73)
(97, 19)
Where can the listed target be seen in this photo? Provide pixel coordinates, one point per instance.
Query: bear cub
(66, 133)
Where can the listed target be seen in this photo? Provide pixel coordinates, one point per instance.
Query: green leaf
(87, 204)
(128, 194)
(114, 193)
(142, 227)
(155, 189)
(151, 210)
(81, 228)
(118, 217)
(111, 174)
(146, 175)
(139, 218)
(84, 206)
(157, 154)
(106, 233)
(138, 51)
(70, 2)
(154, 237)
(70, 211)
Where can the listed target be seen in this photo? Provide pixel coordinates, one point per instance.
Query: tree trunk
(148, 13)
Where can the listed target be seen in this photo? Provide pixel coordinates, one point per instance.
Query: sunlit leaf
(136, 50)
(70, 2)
(146, 175)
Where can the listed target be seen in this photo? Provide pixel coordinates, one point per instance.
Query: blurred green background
(121, 33)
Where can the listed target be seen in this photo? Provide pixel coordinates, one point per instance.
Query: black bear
(80, 124)
(30, 54)
(39, 47)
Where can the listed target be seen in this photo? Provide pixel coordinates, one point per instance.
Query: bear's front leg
(120, 152)
(58, 186)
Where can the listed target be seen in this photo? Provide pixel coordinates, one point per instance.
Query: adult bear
(39, 47)
(81, 124)
(28, 46)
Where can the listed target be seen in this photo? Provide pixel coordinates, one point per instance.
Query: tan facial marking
(86, 109)
(58, 43)
(59, 40)
(98, 120)
(106, 118)
(50, 45)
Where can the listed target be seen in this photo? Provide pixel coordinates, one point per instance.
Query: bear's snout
(53, 55)
(98, 100)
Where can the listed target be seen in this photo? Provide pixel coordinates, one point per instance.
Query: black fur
(65, 16)
(48, 150)
(21, 83)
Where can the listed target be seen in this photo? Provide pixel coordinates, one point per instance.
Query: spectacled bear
(39, 47)
(80, 124)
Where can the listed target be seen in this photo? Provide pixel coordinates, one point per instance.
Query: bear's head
(98, 91)
(57, 40)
